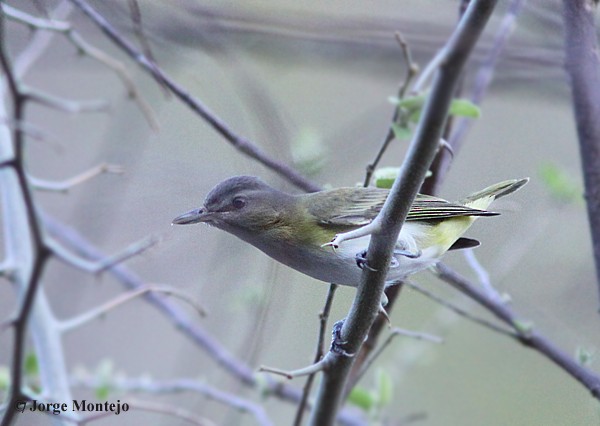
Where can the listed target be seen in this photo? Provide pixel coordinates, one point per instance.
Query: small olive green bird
(317, 235)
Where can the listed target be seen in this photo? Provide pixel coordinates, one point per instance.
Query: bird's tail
(482, 199)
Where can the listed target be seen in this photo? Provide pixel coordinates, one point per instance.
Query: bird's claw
(361, 261)
(331, 244)
(337, 342)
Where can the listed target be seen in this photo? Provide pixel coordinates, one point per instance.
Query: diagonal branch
(526, 335)
(389, 221)
(239, 142)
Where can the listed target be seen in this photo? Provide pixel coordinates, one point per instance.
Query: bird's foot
(361, 261)
(336, 340)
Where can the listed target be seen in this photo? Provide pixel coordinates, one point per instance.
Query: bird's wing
(359, 206)
(426, 207)
(347, 206)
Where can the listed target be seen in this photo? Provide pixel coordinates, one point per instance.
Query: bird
(322, 234)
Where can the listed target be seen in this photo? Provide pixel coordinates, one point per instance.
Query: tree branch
(239, 142)
(526, 335)
(583, 68)
(390, 219)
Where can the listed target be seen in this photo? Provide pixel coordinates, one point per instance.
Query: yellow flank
(445, 233)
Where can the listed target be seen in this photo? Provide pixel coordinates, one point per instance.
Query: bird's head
(240, 203)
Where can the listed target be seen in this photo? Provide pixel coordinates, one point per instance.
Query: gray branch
(583, 67)
(419, 157)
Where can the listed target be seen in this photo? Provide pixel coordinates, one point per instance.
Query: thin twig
(61, 104)
(210, 345)
(320, 350)
(39, 251)
(386, 226)
(102, 265)
(243, 144)
(482, 82)
(305, 371)
(526, 335)
(180, 385)
(99, 311)
(412, 69)
(88, 49)
(460, 311)
(67, 184)
(395, 332)
(583, 68)
(155, 407)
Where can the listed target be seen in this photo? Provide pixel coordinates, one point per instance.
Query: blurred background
(310, 83)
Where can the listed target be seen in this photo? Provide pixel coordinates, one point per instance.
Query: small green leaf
(412, 102)
(31, 364)
(102, 392)
(585, 356)
(402, 133)
(362, 398)
(4, 378)
(559, 184)
(464, 108)
(308, 152)
(385, 387)
(385, 177)
(523, 327)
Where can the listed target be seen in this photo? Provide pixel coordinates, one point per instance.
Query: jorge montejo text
(81, 405)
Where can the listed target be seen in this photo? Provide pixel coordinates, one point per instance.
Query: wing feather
(359, 206)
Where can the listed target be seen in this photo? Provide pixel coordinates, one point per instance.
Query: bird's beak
(193, 216)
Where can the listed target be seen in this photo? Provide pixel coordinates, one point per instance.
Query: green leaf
(362, 398)
(523, 327)
(412, 102)
(102, 392)
(559, 184)
(402, 133)
(385, 387)
(385, 177)
(4, 378)
(31, 365)
(104, 374)
(464, 108)
(585, 356)
(309, 153)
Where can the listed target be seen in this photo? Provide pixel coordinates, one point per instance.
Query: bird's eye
(239, 202)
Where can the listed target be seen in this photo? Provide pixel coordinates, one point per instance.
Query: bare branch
(29, 274)
(86, 48)
(154, 407)
(395, 332)
(61, 104)
(583, 67)
(181, 385)
(323, 317)
(78, 321)
(206, 342)
(386, 226)
(244, 145)
(527, 335)
(67, 184)
(459, 311)
(305, 371)
(102, 265)
(482, 82)
(412, 70)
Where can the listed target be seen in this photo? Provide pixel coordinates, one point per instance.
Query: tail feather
(498, 190)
